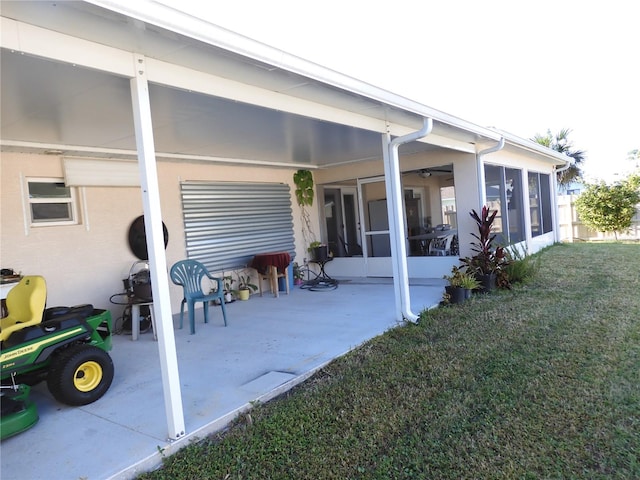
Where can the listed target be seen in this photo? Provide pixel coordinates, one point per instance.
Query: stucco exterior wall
(86, 263)
(514, 159)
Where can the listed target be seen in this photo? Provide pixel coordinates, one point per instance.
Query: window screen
(503, 190)
(540, 203)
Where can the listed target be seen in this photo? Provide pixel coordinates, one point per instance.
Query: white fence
(572, 229)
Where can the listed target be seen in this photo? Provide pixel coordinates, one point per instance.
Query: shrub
(521, 266)
(488, 258)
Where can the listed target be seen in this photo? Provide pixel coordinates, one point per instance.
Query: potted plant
(228, 288)
(461, 284)
(227, 282)
(298, 278)
(489, 259)
(319, 252)
(303, 180)
(245, 287)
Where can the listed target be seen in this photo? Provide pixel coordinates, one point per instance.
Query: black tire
(80, 375)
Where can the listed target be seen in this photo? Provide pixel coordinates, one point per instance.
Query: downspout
(566, 166)
(396, 219)
(482, 194)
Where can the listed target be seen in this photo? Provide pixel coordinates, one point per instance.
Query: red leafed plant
(487, 259)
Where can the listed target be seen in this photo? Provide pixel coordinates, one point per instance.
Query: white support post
(526, 199)
(555, 209)
(155, 246)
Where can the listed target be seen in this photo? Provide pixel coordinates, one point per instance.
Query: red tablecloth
(263, 261)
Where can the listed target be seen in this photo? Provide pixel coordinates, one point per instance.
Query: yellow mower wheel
(80, 374)
(88, 376)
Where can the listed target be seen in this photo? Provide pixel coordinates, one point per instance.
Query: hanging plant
(303, 180)
(304, 187)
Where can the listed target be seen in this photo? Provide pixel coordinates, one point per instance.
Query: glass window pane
(50, 201)
(49, 190)
(534, 204)
(515, 214)
(51, 212)
(494, 189)
(376, 219)
(545, 200)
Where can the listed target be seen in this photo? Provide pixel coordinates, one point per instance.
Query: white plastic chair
(441, 246)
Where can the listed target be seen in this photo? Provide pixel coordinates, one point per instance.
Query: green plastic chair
(189, 275)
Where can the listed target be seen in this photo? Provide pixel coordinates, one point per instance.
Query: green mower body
(68, 350)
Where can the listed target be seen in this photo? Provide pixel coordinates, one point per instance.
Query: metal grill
(227, 223)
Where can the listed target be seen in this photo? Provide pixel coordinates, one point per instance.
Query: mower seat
(25, 304)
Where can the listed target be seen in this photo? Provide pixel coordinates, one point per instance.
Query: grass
(542, 381)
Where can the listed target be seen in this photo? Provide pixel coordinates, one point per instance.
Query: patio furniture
(25, 303)
(350, 249)
(322, 280)
(429, 237)
(189, 275)
(271, 266)
(441, 246)
(136, 303)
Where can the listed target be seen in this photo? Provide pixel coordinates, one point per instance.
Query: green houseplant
(319, 251)
(303, 180)
(489, 260)
(298, 277)
(228, 290)
(245, 287)
(461, 284)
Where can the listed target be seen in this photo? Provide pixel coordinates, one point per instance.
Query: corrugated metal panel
(227, 223)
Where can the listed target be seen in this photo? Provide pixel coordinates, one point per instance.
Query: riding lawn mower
(64, 346)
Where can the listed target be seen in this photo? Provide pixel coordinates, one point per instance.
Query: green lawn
(542, 381)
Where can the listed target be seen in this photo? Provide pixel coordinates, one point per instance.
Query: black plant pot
(457, 294)
(487, 282)
(320, 253)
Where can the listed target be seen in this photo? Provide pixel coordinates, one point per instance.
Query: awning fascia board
(189, 26)
(40, 42)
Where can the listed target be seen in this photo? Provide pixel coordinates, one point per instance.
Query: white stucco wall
(86, 263)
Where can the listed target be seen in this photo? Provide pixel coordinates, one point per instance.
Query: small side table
(135, 317)
(272, 266)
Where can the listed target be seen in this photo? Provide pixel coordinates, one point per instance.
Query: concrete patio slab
(270, 345)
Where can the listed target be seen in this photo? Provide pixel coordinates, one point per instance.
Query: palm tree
(560, 143)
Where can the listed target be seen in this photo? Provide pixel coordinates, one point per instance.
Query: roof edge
(180, 22)
(531, 146)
